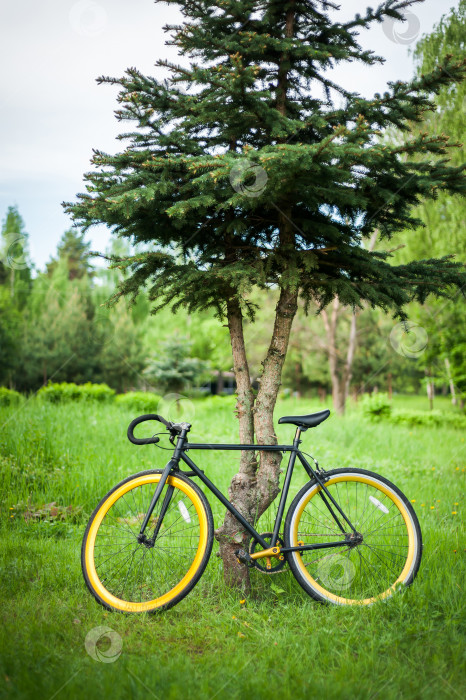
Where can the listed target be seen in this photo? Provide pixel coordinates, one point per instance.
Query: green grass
(276, 644)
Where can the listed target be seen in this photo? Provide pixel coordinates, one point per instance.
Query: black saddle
(306, 422)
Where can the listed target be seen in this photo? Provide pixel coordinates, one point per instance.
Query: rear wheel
(362, 573)
(123, 574)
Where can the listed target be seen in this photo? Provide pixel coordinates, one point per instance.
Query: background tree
(75, 251)
(121, 356)
(172, 369)
(14, 256)
(258, 100)
(442, 219)
(10, 331)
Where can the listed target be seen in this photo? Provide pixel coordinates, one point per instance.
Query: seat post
(297, 437)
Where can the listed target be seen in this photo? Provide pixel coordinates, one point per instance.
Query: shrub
(428, 418)
(96, 392)
(144, 401)
(8, 397)
(376, 407)
(68, 391)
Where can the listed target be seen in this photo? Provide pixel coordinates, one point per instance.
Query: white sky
(53, 113)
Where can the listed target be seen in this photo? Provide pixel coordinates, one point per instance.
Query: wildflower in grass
(433, 469)
(413, 500)
(233, 617)
(456, 504)
(242, 602)
(432, 507)
(438, 500)
(453, 512)
(422, 505)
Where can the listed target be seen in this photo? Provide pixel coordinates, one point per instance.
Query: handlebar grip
(142, 419)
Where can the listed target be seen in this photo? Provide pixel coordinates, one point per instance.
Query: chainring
(278, 564)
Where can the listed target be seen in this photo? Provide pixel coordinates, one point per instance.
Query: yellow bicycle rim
(409, 526)
(97, 585)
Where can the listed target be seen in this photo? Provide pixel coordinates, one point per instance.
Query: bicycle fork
(172, 464)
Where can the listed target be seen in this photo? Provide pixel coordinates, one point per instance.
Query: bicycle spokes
(140, 571)
(366, 567)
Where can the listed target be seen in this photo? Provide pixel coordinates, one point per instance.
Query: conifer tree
(15, 263)
(172, 369)
(251, 167)
(75, 251)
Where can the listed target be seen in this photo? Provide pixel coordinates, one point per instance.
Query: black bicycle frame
(182, 446)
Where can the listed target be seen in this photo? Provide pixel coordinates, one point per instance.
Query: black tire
(387, 550)
(201, 515)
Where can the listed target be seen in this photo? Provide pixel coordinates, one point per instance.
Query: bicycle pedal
(243, 557)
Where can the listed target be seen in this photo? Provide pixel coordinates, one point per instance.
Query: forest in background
(55, 325)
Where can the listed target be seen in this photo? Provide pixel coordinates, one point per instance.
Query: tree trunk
(341, 379)
(348, 369)
(331, 328)
(450, 381)
(242, 492)
(252, 489)
(430, 388)
(269, 469)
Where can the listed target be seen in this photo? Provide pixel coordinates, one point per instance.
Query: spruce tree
(251, 167)
(75, 251)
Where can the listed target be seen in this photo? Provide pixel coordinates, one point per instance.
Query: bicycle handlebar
(145, 441)
(174, 428)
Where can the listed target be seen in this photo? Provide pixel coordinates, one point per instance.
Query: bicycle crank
(268, 565)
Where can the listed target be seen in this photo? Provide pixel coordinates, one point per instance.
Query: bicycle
(350, 537)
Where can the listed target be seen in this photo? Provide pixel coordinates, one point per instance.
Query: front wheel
(360, 572)
(124, 574)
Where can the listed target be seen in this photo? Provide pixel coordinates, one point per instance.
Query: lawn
(279, 643)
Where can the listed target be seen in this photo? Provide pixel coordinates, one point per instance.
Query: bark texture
(269, 469)
(254, 487)
(242, 492)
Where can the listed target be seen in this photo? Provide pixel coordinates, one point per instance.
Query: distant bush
(376, 407)
(428, 418)
(8, 397)
(144, 401)
(68, 391)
